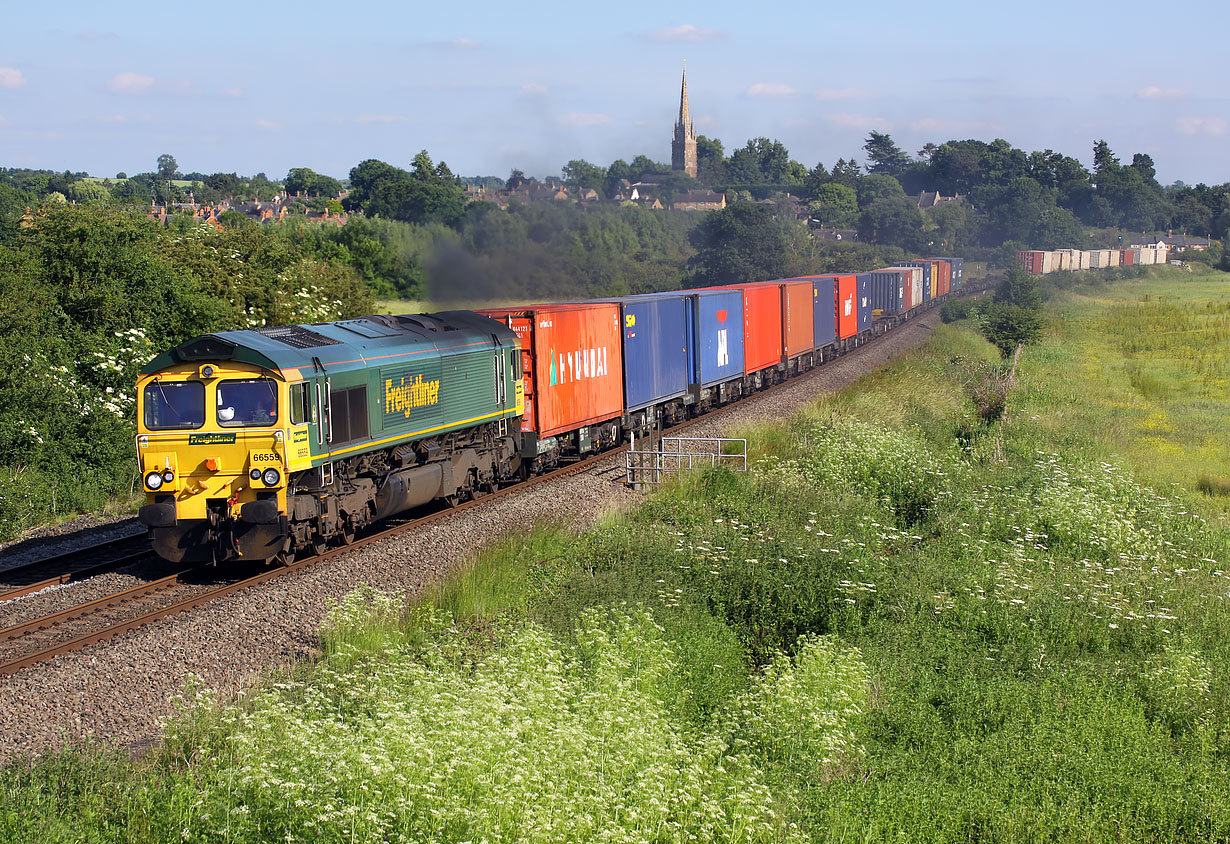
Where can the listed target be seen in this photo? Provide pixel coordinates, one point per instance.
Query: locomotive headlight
(168, 476)
(154, 480)
(271, 477)
(255, 474)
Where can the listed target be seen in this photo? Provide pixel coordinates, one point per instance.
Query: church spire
(685, 116)
(683, 146)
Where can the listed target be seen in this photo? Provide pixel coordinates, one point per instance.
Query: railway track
(71, 566)
(42, 639)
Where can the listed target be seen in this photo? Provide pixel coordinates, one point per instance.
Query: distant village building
(683, 146)
(930, 199)
(1174, 241)
(699, 200)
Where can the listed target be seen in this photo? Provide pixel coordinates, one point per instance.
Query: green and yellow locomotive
(270, 442)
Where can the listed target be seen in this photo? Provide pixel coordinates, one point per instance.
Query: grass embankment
(905, 623)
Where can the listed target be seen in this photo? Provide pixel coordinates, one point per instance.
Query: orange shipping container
(572, 368)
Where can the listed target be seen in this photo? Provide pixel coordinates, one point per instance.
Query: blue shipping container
(863, 281)
(926, 268)
(657, 360)
(887, 291)
(715, 328)
(825, 313)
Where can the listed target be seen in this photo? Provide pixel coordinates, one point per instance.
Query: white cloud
(846, 120)
(267, 124)
(585, 118)
(533, 89)
(463, 43)
(1214, 126)
(110, 118)
(771, 89)
(233, 92)
(379, 118)
(11, 78)
(687, 32)
(130, 83)
(843, 94)
(1153, 92)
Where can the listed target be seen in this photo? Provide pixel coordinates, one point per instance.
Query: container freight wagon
(657, 334)
(716, 344)
(824, 311)
(956, 275)
(572, 372)
(887, 291)
(941, 275)
(911, 278)
(928, 278)
(798, 321)
(845, 304)
(862, 286)
(1036, 261)
(762, 325)
(1100, 259)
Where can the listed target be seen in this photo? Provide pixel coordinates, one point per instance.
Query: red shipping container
(798, 316)
(1127, 257)
(572, 369)
(762, 324)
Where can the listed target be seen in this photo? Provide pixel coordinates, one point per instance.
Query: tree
(1014, 317)
(763, 162)
(579, 173)
(846, 173)
(954, 225)
(884, 155)
(1058, 228)
(816, 178)
(710, 161)
(167, 166)
(310, 183)
(878, 186)
(1010, 326)
(739, 243)
(892, 220)
(928, 151)
(834, 205)
(515, 179)
(1103, 158)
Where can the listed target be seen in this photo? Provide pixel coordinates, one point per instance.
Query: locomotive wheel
(286, 556)
(347, 535)
(317, 545)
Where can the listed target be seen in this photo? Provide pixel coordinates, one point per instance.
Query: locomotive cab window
(301, 405)
(248, 404)
(174, 404)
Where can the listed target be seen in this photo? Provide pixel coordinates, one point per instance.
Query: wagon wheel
(317, 545)
(347, 535)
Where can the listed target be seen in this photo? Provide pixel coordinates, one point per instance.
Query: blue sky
(266, 86)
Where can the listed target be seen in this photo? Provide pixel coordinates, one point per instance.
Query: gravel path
(120, 691)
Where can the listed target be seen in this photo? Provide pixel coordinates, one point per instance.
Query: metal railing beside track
(680, 454)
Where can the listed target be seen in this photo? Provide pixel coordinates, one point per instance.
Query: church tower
(683, 146)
